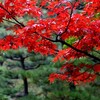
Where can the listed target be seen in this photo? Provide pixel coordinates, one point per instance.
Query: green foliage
(82, 60)
(97, 15)
(15, 53)
(6, 83)
(84, 93)
(4, 97)
(29, 97)
(70, 41)
(2, 59)
(41, 89)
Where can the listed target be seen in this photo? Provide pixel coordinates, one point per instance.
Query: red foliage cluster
(61, 21)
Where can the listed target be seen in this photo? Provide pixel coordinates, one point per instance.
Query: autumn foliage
(61, 21)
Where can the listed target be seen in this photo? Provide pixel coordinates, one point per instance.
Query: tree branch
(69, 19)
(84, 52)
(45, 37)
(9, 21)
(12, 16)
(77, 50)
(33, 67)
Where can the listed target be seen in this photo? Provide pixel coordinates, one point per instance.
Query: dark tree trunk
(25, 82)
(62, 98)
(72, 87)
(1, 63)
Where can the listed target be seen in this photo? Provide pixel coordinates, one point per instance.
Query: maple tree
(59, 23)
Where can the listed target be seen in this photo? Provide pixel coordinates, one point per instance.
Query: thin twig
(9, 21)
(45, 37)
(69, 19)
(96, 51)
(12, 16)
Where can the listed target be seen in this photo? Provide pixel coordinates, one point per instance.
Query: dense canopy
(73, 23)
